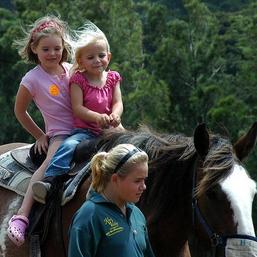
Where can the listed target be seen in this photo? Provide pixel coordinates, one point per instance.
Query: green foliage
(148, 103)
(223, 113)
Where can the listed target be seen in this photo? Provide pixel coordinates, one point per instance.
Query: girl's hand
(41, 144)
(115, 120)
(103, 120)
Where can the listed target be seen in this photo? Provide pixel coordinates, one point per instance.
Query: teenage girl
(109, 223)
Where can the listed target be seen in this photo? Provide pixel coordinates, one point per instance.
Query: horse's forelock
(217, 165)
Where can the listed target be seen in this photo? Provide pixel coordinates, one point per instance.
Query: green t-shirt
(100, 229)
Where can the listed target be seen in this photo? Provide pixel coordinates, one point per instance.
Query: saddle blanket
(15, 176)
(12, 175)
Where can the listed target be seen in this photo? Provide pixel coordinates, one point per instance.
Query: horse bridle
(216, 239)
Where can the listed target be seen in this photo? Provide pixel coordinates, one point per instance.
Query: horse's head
(224, 191)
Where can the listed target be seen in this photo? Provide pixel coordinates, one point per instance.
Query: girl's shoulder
(114, 75)
(78, 78)
(137, 212)
(33, 71)
(32, 75)
(112, 78)
(67, 66)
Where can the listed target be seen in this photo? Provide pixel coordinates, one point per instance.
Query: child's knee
(71, 144)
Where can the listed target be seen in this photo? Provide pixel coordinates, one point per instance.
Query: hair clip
(44, 25)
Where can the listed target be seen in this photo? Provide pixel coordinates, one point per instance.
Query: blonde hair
(88, 34)
(43, 27)
(117, 160)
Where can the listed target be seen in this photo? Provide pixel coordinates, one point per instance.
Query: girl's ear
(78, 59)
(114, 178)
(33, 49)
(109, 57)
(79, 62)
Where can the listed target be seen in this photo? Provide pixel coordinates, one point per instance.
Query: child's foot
(40, 190)
(17, 228)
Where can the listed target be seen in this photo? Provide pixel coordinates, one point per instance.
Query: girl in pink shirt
(96, 101)
(46, 45)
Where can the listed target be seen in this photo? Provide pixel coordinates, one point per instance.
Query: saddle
(16, 169)
(18, 165)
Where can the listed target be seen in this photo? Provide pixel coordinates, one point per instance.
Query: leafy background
(181, 61)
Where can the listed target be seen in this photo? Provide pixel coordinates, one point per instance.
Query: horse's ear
(246, 143)
(201, 140)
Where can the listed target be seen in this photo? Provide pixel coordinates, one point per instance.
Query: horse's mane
(157, 146)
(172, 159)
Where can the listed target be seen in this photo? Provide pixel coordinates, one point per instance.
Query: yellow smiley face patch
(54, 90)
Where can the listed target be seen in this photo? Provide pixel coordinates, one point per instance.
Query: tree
(123, 28)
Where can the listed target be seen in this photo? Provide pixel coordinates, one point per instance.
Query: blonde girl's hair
(43, 27)
(88, 34)
(117, 160)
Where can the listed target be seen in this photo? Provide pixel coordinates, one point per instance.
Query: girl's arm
(117, 106)
(23, 99)
(80, 242)
(80, 111)
(84, 233)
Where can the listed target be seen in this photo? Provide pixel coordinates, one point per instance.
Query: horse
(192, 194)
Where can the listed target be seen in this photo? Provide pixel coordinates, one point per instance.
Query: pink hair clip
(44, 25)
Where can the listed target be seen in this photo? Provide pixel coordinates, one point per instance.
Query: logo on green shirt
(113, 226)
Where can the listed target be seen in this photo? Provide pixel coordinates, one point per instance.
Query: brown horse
(203, 171)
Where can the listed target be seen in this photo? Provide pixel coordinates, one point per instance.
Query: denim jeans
(61, 161)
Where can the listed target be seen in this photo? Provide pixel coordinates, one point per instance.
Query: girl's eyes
(101, 56)
(140, 180)
(55, 49)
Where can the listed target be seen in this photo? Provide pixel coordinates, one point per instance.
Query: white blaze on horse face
(240, 190)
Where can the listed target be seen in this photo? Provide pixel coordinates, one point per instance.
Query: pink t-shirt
(95, 98)
(51, 95)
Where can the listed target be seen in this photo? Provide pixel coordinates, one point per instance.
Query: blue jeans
(61, 161)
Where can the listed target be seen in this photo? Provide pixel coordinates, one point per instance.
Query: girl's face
(131, 187)
(49, 52)
(94, 58)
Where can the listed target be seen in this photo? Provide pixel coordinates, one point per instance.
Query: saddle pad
(15, 176)
(12, 175)
(71, 186)
(21, 155)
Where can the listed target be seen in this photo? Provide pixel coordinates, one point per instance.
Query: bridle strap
(215, 239)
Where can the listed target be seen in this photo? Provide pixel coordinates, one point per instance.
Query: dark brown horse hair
(172, 159)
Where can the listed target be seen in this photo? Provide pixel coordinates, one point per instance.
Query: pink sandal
(17, 228)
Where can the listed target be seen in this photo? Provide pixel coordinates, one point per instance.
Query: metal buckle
(216, 240)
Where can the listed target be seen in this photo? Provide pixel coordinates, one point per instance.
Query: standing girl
(109, 224)
(95, 97)
(47, 45)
